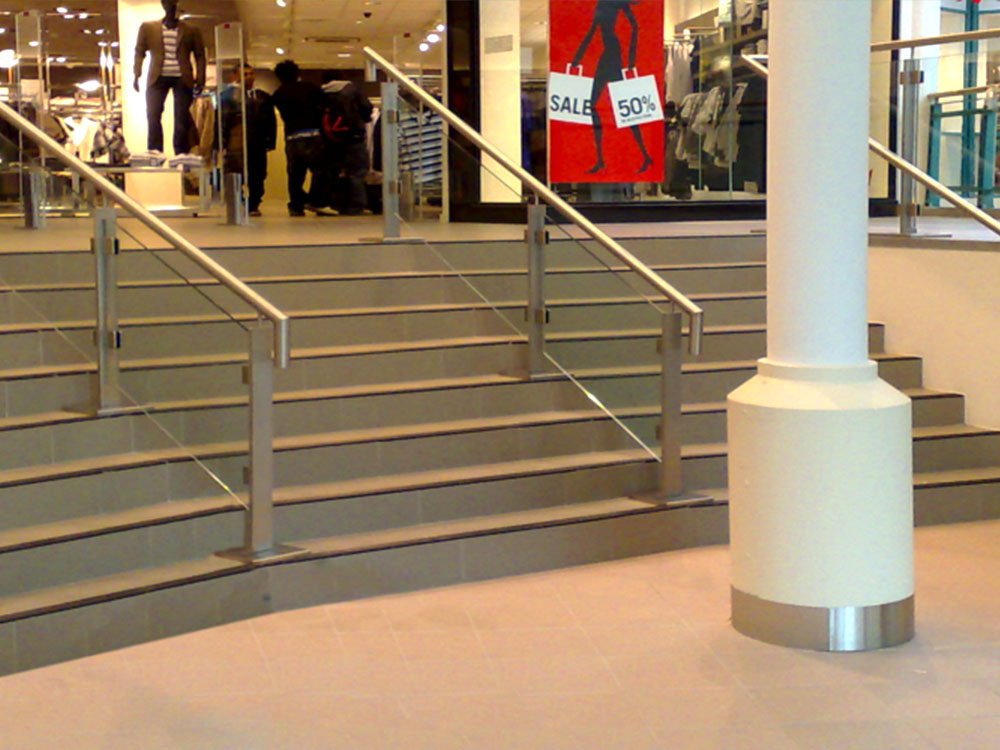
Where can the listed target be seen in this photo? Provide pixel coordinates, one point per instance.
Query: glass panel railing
(181, 342)
(950, 130)
(603, 321)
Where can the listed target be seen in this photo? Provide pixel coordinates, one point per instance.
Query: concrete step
(121, 609)
(75, 265)
(82, 548)
(52, 302)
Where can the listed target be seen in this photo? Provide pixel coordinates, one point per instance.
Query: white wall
(500, 98)
(943, 305)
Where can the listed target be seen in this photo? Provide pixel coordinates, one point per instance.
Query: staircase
(407, 454)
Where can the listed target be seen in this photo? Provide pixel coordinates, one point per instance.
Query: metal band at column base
(823, 628)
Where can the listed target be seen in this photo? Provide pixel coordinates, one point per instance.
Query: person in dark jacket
(345, 123)
(301, 105)
(262, 128)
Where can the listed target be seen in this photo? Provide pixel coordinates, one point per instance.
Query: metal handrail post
(536, 313)
(236, 207)
(910, 78)
(33, 196)
(260, 519)
(107, 336)
(258, 529)
(669, 430)
(390, 160)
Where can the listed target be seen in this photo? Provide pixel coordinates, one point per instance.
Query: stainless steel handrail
(960, 92)
(694, 313)
(136, 209)
(915, 172)
(931, 41)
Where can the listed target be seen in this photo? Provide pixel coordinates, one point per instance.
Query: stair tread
(951, 430)
(372, 275)
(345, 312)
(956, 476)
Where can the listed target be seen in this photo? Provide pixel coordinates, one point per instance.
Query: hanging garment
(721, 142)
(203, 114)
(679, 80)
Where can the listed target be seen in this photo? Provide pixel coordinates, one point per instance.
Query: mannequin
(170, 44)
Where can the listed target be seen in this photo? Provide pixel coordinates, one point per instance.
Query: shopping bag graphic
(635, 101)
(569, 97)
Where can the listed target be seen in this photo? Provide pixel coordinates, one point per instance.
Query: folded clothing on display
(185, 160)
(148, 159)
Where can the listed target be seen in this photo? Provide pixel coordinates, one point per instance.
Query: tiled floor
(630, 654)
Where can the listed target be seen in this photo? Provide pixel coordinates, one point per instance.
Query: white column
(820, 476)
(500, 94)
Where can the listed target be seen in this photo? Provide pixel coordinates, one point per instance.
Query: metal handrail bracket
(694, 313)
(264, 308)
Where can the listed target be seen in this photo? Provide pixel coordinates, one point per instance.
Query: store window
(693, 137)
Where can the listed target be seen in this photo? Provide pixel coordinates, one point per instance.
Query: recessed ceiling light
(3, 30)
(424, 46)
(60, 59)
(343, 54)
(33, 43)
(61, 9)
(433, 38)
(280, 50)
(99, 32)
(281, 3)
(440, 27)
(69, 16)
(82, 16)
(114, 44)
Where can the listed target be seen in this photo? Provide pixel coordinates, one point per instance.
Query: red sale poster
(605, 92)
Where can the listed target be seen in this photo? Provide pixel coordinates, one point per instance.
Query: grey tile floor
(629, 654)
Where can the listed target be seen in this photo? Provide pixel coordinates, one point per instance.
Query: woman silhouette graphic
(609, 68)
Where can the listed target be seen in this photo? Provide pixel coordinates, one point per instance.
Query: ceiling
(316, 33)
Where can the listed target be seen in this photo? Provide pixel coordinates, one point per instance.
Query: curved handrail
(915, 172)
(136, 209)
(694, 313)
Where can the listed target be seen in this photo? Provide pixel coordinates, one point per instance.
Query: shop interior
(71, 66)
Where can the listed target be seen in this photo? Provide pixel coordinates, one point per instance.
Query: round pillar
(820, 467)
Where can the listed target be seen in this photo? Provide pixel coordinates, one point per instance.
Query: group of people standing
(325, 138)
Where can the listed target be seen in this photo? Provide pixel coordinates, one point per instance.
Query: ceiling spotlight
(82, 16)
(3, 30)
(102, 44)
(424, 46)
(61, 9)
(68, 16)
(439, 27)
(281, 3)
(8, 58)
(280, 50)
(433, 38)
(60, 59)
(88, 31)
(99, 32)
